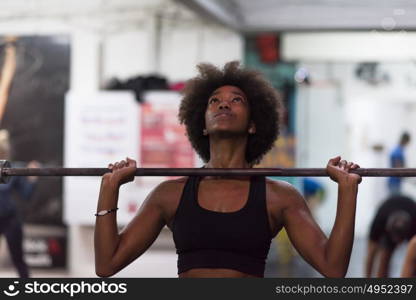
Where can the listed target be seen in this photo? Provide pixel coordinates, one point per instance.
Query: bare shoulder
(167, 196)
(168, 190)
(171, 184)
(281, 197)
(283, 192)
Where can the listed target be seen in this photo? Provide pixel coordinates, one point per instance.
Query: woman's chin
(227, 133)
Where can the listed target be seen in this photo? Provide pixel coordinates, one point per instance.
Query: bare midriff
(213, 273)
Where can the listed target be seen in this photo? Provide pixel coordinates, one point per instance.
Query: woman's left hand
(339, 171)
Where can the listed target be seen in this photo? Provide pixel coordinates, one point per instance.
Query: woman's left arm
(330, 256)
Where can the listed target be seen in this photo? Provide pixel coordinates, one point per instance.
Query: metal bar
(287, 172)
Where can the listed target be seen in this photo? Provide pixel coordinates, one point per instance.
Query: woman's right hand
(121, 172)
(339, 171)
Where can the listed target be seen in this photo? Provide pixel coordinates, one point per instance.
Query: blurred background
(98, 80)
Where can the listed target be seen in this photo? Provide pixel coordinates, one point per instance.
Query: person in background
(397, 160)
(394, 223)
(10, 223)
(409, 265)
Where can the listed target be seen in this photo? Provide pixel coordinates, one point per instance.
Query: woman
(222, 226)
(10, 224)
(393, 224)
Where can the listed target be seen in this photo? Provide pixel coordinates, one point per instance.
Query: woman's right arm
(114, 250)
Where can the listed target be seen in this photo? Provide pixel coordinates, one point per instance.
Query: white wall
(349, 46)
(185, 45)
(128, 54)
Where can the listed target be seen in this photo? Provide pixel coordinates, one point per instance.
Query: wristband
(105, 212)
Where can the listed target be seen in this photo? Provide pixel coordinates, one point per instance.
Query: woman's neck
(228, 153)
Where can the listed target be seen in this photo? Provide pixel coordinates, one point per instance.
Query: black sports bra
(237, 240)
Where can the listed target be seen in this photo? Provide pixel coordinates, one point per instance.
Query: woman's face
(228, 111)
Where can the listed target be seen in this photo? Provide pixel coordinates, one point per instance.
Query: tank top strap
(256, 197)
(257, 193)
(188, 200)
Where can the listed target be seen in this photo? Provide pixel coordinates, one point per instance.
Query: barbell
(6, 171)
